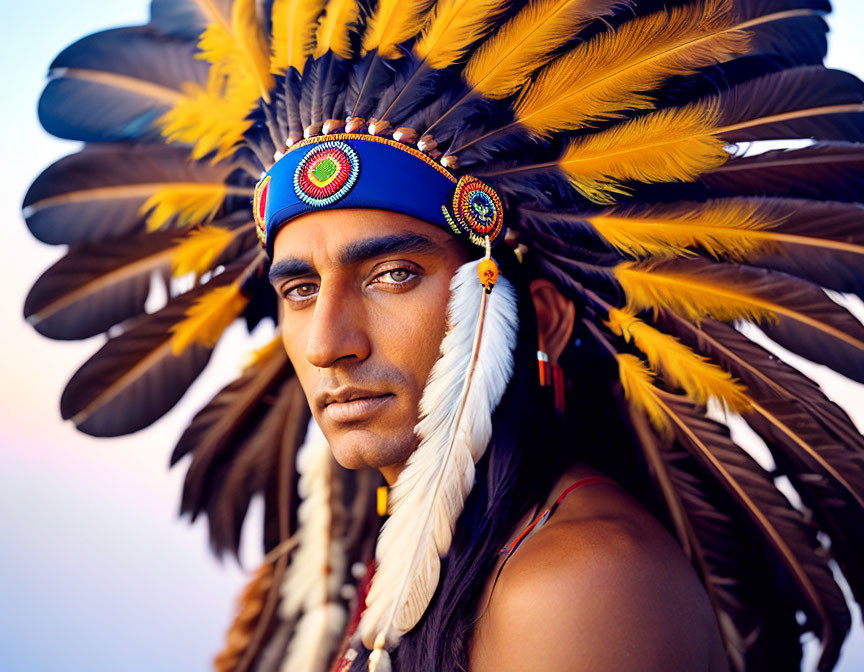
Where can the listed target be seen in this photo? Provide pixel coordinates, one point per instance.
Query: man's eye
(301, 292)
(396, 276)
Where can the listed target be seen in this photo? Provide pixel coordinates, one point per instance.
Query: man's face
(363, 300)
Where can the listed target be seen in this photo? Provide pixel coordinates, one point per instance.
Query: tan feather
(393, 22)
(294, 23)
(618, 70)
(453, 26)
(334, 29)
(526, 42)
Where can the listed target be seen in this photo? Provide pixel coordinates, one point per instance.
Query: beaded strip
(259, 204)
(376, 138)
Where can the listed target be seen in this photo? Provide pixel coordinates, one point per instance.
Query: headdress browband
(352, 170)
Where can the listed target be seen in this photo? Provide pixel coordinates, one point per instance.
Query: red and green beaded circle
(326, 174)
(478, 208)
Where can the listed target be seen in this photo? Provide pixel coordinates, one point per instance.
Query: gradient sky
(97, 574)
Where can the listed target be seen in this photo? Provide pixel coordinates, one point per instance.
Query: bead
(405, 134)
(354, 124)
(487, 270)
(332, 125)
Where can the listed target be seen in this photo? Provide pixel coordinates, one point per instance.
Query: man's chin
(368, 448)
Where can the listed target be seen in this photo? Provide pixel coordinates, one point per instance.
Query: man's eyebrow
(362, 250)
(289, 268)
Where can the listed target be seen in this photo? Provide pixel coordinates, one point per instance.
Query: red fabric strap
(581, 483)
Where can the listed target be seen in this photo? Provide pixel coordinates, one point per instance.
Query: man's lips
(353, 404)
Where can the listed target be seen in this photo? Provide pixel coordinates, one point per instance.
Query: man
(506, 241)
(364, 296)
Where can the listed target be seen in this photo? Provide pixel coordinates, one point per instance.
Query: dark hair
(509, 482)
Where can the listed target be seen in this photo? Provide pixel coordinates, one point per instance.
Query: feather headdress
(615, 133)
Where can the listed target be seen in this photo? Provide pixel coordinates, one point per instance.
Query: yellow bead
(487, 270)
(382, 500)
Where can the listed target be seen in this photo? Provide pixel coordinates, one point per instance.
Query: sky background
(97, 573)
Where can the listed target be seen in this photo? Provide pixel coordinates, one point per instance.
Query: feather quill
(464, 388)
(294, 23)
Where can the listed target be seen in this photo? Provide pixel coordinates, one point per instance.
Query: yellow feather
(264, 353)
(506, 60)
(729, 228)
(208, 318)
(453, 26)
(619, 69)
(208, 119)
(638, 387)
(197, 252)
(690, 295)
(393, 22)
(333, 31)
(669, 145)
(214, 119)
(235, 46)
(183, 204)
(294, 23)
(680, 366)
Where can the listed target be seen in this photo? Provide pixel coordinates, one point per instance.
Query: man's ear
(555, 316)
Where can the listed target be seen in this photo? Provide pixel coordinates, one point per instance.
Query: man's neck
(391, 472)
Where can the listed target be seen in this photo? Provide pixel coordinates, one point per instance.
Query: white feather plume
(317, 569)
(316, 637)
(464, 388)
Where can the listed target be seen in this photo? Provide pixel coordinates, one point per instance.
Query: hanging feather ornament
(310, 588)
(464, 387)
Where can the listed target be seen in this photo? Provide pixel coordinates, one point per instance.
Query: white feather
(317, 635)
(455, 428)
(317, 569)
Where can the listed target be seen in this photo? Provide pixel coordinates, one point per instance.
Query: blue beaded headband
(349, 170)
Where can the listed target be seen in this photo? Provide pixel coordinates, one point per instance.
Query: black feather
(114, 86)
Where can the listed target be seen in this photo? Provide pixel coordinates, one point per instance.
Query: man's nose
(338, 328)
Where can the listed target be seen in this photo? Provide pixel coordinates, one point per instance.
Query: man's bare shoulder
(601, 587)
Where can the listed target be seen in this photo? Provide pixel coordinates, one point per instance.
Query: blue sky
(96, 572)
